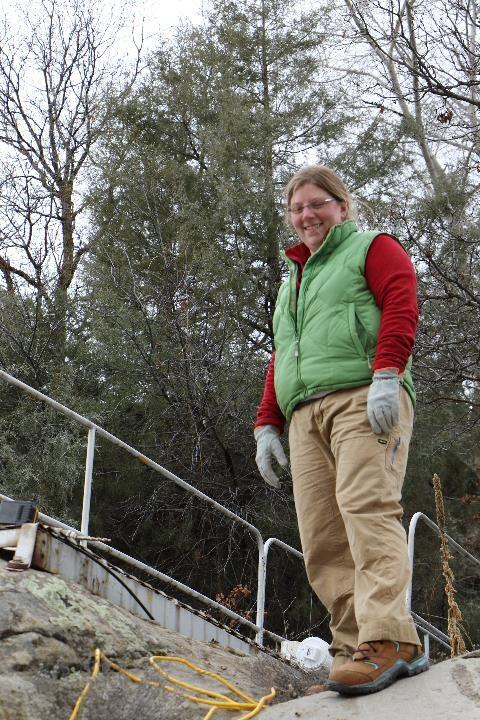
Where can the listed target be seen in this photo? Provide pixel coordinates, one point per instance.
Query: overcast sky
(163, 15)
(166, 13)
(158, 15)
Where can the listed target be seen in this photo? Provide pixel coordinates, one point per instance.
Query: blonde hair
(326, 179)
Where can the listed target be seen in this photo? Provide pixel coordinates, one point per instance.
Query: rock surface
(49, 630)
(449, 690)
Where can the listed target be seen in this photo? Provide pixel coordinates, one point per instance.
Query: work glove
(383, 402)
(268, 445)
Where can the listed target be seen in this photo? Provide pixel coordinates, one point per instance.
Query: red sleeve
(268, 412)
(391, 279)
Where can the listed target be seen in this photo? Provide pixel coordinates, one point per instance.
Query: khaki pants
(347, 485)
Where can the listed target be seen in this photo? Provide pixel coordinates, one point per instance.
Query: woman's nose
(307, 212)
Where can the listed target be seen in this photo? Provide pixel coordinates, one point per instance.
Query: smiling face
(313, 224)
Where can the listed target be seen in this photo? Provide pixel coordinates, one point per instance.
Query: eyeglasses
(314, 205)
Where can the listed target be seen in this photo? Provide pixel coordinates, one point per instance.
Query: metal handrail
(411, 547)
(266, 548)
(427, 628)
(129, 560)
(263, 547)
(93, 431)
(431, 630)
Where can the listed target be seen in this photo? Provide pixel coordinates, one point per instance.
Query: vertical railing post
(260, 590)
(426, 645)
(87, 487)
(411, 551)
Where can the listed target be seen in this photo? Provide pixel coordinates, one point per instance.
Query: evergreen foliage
(163, 332)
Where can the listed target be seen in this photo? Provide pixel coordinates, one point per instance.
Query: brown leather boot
(338, 660)
(376, 665)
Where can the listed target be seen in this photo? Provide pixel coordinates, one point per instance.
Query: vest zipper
(296, 353)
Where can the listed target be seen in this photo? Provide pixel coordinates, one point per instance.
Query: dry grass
(454, 612)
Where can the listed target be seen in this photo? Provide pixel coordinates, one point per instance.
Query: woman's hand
(383, 403)
(268, 446)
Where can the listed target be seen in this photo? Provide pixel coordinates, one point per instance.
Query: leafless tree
(418, 64)
(424, 66)
(434, 42)
(56, 77)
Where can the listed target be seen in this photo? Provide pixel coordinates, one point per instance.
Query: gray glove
(383, 402)
(268, 445)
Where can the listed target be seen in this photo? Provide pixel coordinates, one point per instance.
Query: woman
(344, 328)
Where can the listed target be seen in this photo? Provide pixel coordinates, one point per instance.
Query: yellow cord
(218, 701)
(84, 693)
(164, 658)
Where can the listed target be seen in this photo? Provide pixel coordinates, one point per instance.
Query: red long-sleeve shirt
(391, 279)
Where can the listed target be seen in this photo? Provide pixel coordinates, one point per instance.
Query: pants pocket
(393, 452)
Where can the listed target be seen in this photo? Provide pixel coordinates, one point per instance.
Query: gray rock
(20, 700)
(21, 612)
(32, 651)
(49, 629)
(449, 690)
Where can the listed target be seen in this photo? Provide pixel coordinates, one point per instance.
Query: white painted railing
(263, 546)
(93, 431)
(427, 628)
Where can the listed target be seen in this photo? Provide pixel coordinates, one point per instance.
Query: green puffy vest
(325, 339)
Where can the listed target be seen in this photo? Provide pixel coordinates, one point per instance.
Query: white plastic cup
(312, 654)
